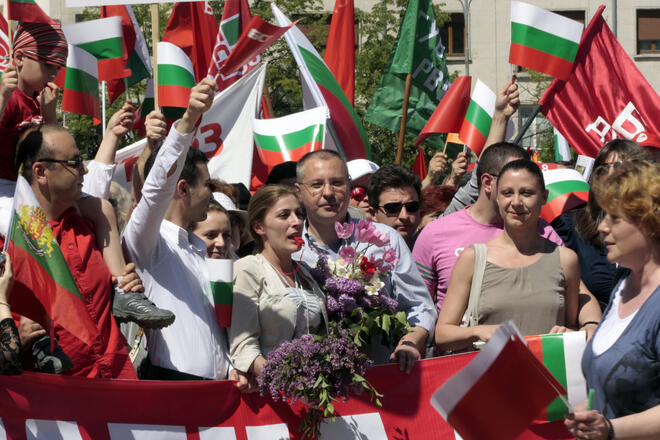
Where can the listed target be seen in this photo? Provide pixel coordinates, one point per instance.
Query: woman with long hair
(622, 361)
(275, 298)
(526, 278)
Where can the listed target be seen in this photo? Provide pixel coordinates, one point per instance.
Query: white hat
(229, 205)
(360, 167)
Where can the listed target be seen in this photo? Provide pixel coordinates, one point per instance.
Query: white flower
(371, 290)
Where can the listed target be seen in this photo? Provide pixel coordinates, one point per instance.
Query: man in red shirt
(53, 166)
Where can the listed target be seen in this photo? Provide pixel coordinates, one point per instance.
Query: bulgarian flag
(500, 392)
(561, 354)
(81, 84)
(542, 40)
(478, 118)
(562, 149)
(321, 89)
(103, 39)
(28, 11)
(221, 277)
(136, 53)
(290, 137)
(567, 189)
(43, 282)
(176, 76)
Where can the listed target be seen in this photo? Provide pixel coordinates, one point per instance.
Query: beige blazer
(262, 317)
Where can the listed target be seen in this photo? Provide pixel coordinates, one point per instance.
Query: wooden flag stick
(10, 31)
(404, 114)
(155, 38)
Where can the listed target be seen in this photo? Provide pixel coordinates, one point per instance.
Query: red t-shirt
(21, 111)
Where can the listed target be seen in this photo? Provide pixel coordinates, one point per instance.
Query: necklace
(280, 270)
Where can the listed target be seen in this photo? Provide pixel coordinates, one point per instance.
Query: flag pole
(155, 37)
(404, 113)
(528, 122)
(103, 107)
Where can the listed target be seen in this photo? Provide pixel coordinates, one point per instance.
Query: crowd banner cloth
(53, 407)
(224, 133)
(5, 46)
(290, 137)
(542, 40)
(501, 391)
(340, 48)
(44, 288)
(85, 3)
(135, 50)
(320, 88)
(606, 96)
(450, 112)
(103, 39)
(418, 52)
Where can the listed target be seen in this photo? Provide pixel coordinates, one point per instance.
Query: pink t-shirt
(440, 243)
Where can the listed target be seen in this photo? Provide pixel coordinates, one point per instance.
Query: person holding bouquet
(275, 298)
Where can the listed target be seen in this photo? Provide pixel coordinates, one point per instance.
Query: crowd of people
(471, 251)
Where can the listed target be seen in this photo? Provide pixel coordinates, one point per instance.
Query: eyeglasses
(76, 162)
(394, 208)
(316, 187)
(359, 193)
(605, 168)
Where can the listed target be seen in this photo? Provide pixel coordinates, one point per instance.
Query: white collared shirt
(170, 261)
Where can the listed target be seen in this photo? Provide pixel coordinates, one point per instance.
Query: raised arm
(143, 228)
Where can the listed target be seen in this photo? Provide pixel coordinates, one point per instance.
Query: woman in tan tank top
(527, 278)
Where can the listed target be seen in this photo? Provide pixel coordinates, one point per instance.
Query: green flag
(418, 50)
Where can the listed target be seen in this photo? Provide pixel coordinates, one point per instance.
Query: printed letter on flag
(606, 96)
(41, 271)
(542, 40)
(321, 89)
(81, 84)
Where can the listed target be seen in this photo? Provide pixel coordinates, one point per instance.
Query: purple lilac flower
(344, 230)
(341, 285)
(347, 303)
(388, 303)
(331, 304)
(321, 272)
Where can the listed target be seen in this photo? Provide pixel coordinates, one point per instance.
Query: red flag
(450, 112)
(193, 27)
(419, 166)
(4, 44)
(491, 397)
(28, 11)
(257, 37)
(606, 97)
(136, 54)
(340, 50)
(235, 19)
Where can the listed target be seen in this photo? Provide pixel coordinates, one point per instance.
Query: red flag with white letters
(606, 96)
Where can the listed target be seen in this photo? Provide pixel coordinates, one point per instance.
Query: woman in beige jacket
(275, 298)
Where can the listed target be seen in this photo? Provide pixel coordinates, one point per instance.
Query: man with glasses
(440, 243)
(394, 198)
(325, 192)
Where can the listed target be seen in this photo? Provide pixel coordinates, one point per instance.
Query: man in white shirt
(169, 258)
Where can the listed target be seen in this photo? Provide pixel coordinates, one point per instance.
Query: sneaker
(47, 362)
(135, 307)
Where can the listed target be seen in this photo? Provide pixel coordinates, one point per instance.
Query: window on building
(573, 15)
(453, 35)
(538, 131)
(648, 31)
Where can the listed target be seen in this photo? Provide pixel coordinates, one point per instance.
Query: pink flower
(390, 256)
(380, 239)
(348, 254)
(344, 230)
(365, 231)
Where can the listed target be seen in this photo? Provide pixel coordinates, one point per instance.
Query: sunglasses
(359, 193)
(394, 208)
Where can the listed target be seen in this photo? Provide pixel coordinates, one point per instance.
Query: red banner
(606, 96)
(45, 406)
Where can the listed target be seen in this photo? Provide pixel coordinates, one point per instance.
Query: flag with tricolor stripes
(28, 11)
(478, 118)
(44, 288)
(542, 40)
(321, 89)
(561, 353)
(103, 39)
(81, 84)
(562, 149)
(220, 274)
(176, 76)
(289, 137)
(499, 392)
(567, 189)
(136, 52)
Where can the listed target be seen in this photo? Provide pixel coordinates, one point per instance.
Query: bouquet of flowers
(317, 370)
(356, 297)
